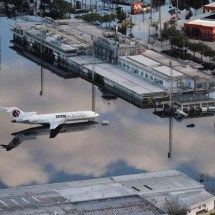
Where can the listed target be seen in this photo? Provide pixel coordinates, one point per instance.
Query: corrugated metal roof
(117, 75)
(118, 206)
(139, 194)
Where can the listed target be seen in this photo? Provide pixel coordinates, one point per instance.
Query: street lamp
(93, 70)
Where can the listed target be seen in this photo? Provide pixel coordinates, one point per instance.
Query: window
(151, 77)
(146, 75)
(161, 82)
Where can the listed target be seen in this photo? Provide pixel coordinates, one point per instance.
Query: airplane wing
(55, 123)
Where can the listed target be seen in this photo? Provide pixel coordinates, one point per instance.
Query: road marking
(3, 203)
(35, 199)
(12, 200)
(25, 200)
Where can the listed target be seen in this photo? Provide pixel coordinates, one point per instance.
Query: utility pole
(171, 112)
(41, 66)
(0, 44)
(93, 70)
(160, 18)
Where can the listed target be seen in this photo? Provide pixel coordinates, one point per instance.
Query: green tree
(158, 3)
(124, 26)
(202, 48)
(209, 52)
(187, 4)
(156, 27)
(120, 14)
(106, 19)
(193, 47)
(59, 8)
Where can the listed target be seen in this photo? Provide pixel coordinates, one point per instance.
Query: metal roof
(117, 75)
(119, 206)
(144, 60)
(136, 194)
(154, 67)
(166, 71)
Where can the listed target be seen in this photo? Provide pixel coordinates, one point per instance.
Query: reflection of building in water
(107, 95)
(148, 193)
(194, 105)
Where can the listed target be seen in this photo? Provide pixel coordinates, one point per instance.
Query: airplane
(33, 133)
(51, 119)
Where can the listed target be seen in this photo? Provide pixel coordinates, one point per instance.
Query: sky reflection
(135, 140)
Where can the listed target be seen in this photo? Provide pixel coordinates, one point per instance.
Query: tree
(173, 207)
(193, 47)
(209, 52)
(202, 48)
(187, 4)
(158, 3)
(120, 14)
(59, 8)
(106, 19)
(156, 27)
(124, 26)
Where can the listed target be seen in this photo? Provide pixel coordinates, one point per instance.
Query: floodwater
(134, 141)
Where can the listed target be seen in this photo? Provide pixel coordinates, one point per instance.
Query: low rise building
(204, 28)
(152, 193)
(209, 7)
(118, 65)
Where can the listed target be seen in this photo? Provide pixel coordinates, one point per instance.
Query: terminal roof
(118, 75)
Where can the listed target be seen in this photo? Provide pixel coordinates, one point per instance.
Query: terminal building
(122, 66)
(152, 193)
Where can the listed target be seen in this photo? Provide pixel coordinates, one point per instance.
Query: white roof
(166, 71)
(125, 79)
(210, 5)
(117, 75)
(161, 181)
(96, 191)
(203, 22)
(143, 60)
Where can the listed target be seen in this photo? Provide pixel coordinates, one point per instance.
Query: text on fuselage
(71, 116)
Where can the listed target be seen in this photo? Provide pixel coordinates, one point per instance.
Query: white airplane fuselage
(65, 116)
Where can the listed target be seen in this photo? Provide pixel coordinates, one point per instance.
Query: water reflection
(33, 133)
(135, 140)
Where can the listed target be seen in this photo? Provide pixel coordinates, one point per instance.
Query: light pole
(171, 112)
(93, 70)
(41, 65)
(160, 18)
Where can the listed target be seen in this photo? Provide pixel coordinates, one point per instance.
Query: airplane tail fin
(15, 112)
(3, 146)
